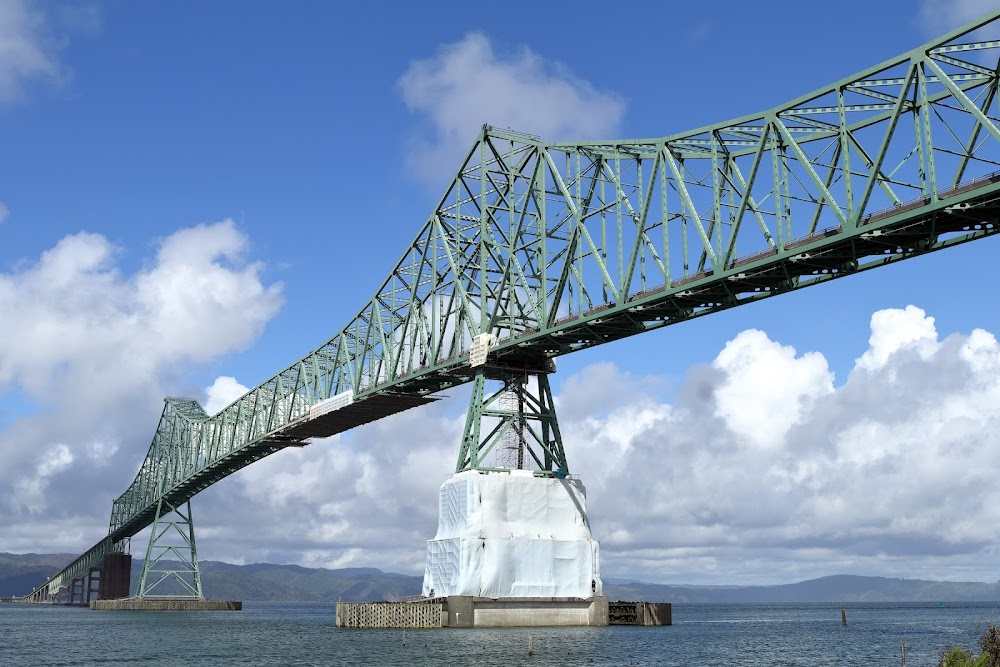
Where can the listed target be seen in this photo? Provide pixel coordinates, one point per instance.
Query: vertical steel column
(532, 419)
(172, 534)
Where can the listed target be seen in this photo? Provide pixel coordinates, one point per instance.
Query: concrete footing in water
(462, 611)
(166, 604)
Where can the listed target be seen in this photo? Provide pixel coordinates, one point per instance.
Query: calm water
(303, 634)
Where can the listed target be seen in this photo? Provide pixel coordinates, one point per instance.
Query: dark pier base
(115, 578)
(640, 613)
(166, 604)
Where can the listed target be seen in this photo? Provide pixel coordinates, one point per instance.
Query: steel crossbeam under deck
(550, 248)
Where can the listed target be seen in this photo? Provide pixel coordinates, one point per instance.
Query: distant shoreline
(19, 573)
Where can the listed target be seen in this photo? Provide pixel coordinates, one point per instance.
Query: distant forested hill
(837, 588)
(20, 573)
(262, 581)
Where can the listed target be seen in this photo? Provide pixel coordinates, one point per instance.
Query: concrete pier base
(466, 611)
(166, 604)
(531, 612)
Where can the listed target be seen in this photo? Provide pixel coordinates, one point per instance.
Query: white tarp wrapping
(341, 400)
(510, 534)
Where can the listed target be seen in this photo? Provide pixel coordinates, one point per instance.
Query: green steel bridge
(540, 249)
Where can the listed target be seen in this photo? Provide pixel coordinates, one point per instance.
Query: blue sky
(131, 131)
(163, 115)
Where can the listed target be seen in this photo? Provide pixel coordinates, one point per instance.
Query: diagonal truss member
(520, 415)
(172, 557)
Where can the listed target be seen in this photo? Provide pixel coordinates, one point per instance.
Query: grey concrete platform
(166, 604)
(460, 611)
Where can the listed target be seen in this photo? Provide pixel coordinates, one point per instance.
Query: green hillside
(20, 573)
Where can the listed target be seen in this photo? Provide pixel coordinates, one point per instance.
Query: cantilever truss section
(555, 247)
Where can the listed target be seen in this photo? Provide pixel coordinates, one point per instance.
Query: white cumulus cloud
(363, 498)
(940, 16)
(223, 392)
(75, 311)
(30, 487)
(766, 387)
(887, 473)
(896, 329)
(25, 51)
(89, 353)
(467, 84)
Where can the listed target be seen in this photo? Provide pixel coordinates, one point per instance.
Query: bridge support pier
(94, 577)
(512, 523)
(116, 576)
(172, 535)
(76, 590)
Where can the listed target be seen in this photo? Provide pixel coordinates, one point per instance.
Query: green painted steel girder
(556, 247)
(527, 425)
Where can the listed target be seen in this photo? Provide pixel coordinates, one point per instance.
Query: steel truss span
(555, 247)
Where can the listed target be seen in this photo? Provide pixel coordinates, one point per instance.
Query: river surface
(270, 633)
